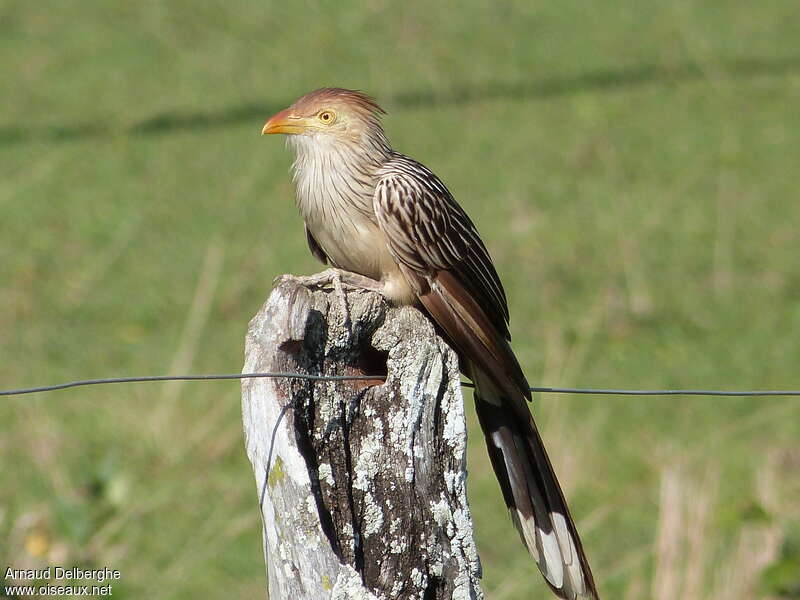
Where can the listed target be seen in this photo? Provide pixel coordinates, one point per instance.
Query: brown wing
(442, 255)
(315, 248)
(443, 258)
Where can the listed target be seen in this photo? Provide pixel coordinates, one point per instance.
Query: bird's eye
(326, 116)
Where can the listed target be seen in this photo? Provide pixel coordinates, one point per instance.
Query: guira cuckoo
(386, 222)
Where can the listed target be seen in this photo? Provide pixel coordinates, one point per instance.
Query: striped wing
(442, 255)
(428, 231)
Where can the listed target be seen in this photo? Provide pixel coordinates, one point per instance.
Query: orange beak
(284, 122)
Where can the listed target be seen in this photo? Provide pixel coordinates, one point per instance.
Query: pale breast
(356, 244)
(353, 243)
(337, 209)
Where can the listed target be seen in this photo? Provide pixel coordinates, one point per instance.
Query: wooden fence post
(362, 484)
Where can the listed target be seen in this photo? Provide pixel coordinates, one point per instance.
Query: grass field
(633, 167)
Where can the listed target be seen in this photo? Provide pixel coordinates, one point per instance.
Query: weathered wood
(362, 485)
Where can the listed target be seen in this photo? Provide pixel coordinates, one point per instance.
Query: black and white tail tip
(556, 554)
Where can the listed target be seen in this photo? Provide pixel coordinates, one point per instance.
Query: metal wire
(104, 380)
(545, 390)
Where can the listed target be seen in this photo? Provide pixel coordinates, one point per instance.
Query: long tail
(529, 485)
(533, 494)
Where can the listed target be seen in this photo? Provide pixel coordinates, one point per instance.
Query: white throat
(336, 181)
(332, 175)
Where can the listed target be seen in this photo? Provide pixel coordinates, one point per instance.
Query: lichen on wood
(362, 484)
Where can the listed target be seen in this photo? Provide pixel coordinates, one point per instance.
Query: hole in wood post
(293, 347)
(372, 361)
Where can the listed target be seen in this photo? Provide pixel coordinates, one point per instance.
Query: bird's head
(331, 112)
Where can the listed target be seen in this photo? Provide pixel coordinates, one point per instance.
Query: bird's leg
(339, 280)
(354, 281)
(336, 278)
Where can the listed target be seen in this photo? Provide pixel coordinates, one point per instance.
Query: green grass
(632, 166)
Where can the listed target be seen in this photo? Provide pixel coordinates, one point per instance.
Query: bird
(385, 222)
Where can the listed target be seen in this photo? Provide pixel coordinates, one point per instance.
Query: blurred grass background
(633, 167)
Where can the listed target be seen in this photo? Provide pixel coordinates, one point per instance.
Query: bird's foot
(339, 280)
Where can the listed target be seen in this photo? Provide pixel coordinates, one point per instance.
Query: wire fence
(285, 375)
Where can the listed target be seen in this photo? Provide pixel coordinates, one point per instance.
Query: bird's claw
(334, 278)
(340, 281)
(326, 279)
